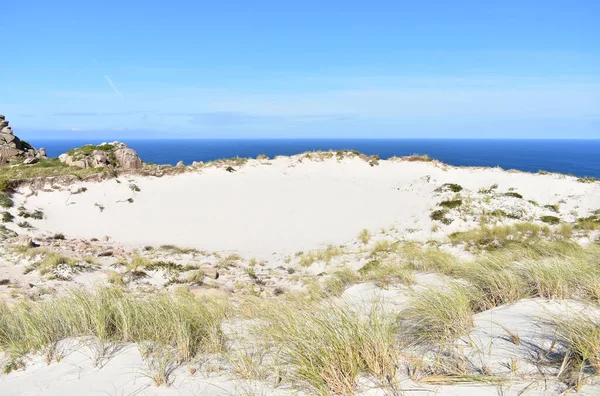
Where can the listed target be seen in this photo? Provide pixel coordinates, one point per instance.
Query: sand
(270, 210)
(282, 206)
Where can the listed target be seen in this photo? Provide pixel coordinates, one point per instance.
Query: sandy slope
(284, 206)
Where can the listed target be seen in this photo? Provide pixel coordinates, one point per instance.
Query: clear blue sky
(301, 69)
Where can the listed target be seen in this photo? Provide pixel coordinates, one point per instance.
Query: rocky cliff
(11, 147)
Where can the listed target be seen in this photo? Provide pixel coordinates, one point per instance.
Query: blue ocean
(577, 157)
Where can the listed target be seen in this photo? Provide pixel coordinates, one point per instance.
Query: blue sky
(148, 69)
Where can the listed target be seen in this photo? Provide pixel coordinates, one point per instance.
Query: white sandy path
(283, 207)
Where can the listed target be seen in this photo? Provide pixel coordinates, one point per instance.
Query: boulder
(30, 160)
(180, 164)
(7, 130)
(99, 158)
(7, 137)
(127, 158)
(3, 124)
(67, 159)
(2, 118)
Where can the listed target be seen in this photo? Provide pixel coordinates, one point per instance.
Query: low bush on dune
(449, 187)
(550, 219)
(494, 237)
(440, 215)
(181, 322)
(47, 167)
(5, 201)
(417, 158)
(451, 204)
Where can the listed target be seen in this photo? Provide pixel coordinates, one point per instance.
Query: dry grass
(496, 237)
(180, 322)
(437, 317)
(580, 335)
(50, 167)
(327, 346)
(386, 273)
(426, 259)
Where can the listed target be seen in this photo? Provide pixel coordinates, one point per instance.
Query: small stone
(30, 160)
(24, 241)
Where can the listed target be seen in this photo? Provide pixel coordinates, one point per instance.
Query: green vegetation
(513, 194)
(437, 317)
(7, 217)
(49, 167)
(5, 201)
(4, 184)
(550, 219)
(489, 190)
(50, 262)
(496, 237)
(588, 179)
(327, 346)
(449, 187)
(181, 323)
(440, 215)
(451, 204)
(364, 236)
(555, 208)
(417, 158)
(589, 223)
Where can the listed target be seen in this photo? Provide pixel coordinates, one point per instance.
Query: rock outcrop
(115, 154)
(11, 147)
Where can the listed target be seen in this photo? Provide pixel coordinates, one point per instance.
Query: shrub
(7, 217)
(4, 184)
(451, 204)
(24, 224)
(364, 236)
(513, 194)
(417, 158)
(587, 179)
(555, 208)
(550, 219)
(489, 190)
(440, 215)
(5, 201)
(449, 187)
(230, 169)
(589, 223)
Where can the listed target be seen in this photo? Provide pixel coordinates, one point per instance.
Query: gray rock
(180, 164)
(41, 153)
(7, 130)
(128, 158)
(7, 137)
(3, 124)
(2, 118)
(99, 158)
(30, 160)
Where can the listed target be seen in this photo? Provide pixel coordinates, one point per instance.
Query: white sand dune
(281, 205)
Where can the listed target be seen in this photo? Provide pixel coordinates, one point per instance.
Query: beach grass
(188, 325)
